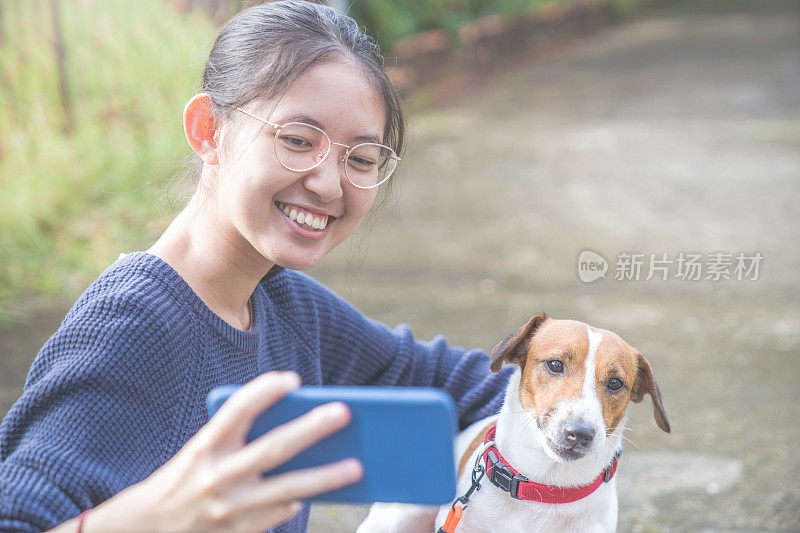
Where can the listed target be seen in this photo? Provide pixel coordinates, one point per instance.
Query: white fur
(399, 518)
(589, 384)
(524, 445)
(587, 407)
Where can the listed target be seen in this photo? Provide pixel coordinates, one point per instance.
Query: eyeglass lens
(301, 147)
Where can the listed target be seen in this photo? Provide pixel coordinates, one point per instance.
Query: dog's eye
(555, 366)
(614, 384)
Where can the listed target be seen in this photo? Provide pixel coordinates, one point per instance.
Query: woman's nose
(326, 180)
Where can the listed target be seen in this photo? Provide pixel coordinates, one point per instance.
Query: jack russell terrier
(547, 461)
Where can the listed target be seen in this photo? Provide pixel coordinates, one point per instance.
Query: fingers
(232, 422)
(304, 483)
(287, 440)
(235, 468)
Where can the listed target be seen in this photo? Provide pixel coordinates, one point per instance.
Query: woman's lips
(305, 229)
(303, 217)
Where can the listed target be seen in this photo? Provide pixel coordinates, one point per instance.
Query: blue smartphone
(403, 437)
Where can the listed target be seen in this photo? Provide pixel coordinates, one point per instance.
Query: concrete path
(676, 133)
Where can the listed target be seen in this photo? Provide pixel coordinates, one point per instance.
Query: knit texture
(121, 385)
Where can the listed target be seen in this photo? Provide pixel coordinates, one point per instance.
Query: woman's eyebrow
(301, 117)
(368, 139)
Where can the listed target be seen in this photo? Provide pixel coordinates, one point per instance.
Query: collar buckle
(502, 476)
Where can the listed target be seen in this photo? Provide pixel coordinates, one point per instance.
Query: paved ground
(679, 132)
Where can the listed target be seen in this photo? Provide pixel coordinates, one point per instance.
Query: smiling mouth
(305, 219)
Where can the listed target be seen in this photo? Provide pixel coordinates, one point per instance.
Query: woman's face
(254, 189)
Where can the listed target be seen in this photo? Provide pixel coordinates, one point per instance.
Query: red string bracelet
(81, 517)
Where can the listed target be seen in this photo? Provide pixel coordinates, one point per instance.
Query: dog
(546, 461)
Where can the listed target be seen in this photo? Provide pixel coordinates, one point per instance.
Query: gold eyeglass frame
(278, 127)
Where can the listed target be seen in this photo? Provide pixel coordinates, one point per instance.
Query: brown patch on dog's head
(541, 389)
(615, 366)
(645, 383)
(514, 347)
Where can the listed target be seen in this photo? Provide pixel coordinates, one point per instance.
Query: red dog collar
(504, 476)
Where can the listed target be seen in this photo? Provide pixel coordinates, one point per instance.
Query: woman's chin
(297, 263)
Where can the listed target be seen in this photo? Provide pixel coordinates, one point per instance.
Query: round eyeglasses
(300, 147)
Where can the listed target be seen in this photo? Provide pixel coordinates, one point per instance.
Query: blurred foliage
(390, 20)
(72, 202)
(85, 160)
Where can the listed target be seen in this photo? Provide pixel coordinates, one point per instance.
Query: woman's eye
(555, 366)
(614, 384)
(360, 163)
(296, 143)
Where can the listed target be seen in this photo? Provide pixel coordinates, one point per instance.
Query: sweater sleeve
(95, 413)
(356, 350)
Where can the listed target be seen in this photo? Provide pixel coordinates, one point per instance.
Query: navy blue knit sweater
(121, 385)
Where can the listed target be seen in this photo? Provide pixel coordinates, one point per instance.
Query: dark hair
(262, 50)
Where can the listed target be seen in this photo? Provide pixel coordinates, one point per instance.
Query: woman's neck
(223, 271)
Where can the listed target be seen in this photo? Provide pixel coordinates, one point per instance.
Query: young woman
(297, 129)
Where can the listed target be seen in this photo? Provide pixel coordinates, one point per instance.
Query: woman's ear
(200, 128)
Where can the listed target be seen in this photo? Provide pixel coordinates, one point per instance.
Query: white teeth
(306, 220)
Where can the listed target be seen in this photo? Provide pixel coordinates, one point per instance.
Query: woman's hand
(214, 482)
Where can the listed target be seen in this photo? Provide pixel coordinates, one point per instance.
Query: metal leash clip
(460, 503)
(477, 473)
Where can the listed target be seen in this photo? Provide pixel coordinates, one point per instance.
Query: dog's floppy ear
(646, 384)
(513, 348)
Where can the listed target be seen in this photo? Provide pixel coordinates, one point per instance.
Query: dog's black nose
(578, 433)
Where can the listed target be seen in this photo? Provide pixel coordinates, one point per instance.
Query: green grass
(72, 202)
